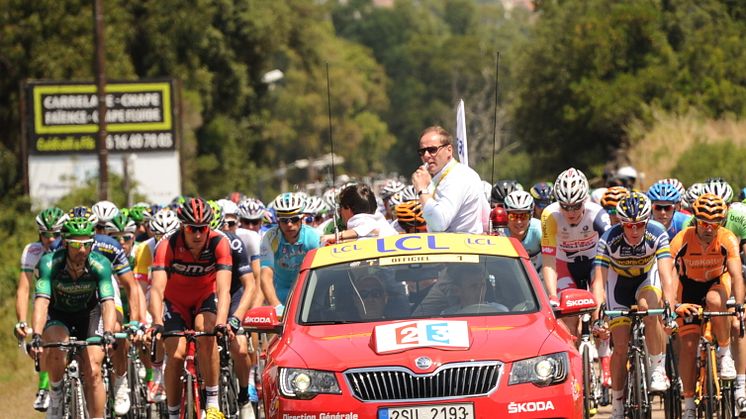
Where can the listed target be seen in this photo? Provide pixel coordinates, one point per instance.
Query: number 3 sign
(426, 333)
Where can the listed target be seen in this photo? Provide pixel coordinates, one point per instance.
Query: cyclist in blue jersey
(520, 206)
(665, 199)
(283, 249)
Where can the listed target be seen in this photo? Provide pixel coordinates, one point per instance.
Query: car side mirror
(574, 302)
(262, 320)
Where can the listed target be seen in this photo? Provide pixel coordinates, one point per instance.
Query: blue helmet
(742, 194)
(542, 192)
(633, 208)
(662, 191)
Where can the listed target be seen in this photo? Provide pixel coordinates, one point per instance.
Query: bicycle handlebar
(176, 334)
(635, 313)
(75, 343)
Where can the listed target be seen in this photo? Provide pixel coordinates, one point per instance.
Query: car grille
(448, 381)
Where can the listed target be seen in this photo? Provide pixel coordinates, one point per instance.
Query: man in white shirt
(450, 192)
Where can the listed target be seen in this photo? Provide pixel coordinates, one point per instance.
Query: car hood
(505, 338)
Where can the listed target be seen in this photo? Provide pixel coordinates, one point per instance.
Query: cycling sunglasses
(714, 225)
(79, 244)
(251, 222)
(196, 228)
(50, 234)
(518, 216)
(638, 225)
(126, 238)
(570, 208)
(662, 207)
(231, 223)
(289, 220)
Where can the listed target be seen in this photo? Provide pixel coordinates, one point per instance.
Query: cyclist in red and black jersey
(192, 279)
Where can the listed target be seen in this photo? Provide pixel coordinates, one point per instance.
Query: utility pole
(103, 168)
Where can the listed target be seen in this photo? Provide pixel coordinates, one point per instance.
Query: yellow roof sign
(413, 244)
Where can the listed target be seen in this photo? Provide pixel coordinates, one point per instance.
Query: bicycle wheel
(728, 400)
(228, 395)
(587, 394)
(635, 385)
(188, 408)
(138, 397)
(710, 397)
(672, 396)
(77, 397)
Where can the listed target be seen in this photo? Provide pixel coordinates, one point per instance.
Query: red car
(436, 326)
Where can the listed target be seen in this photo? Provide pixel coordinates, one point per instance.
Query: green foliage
(87, 194)
(702, 161)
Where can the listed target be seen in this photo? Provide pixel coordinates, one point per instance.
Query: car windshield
(422, 286)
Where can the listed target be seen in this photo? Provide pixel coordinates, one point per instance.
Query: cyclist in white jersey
(570, 228)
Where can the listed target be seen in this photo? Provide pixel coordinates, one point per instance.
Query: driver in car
(370, 298)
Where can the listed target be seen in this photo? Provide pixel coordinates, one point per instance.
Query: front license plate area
(433, 411)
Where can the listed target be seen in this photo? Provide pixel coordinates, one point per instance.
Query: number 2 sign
(426, 333)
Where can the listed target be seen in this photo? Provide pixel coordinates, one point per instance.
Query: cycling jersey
(285, 258)
(31, 255)
(144, 260)
(532, 241)
(188, 277)
(677, 224)
(630, 261)
(241, 265)
(703, 264)
(108, 247)
(74, 295)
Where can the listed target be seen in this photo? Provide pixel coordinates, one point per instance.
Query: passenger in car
(468, 293)
(443, 296)
(369, 296)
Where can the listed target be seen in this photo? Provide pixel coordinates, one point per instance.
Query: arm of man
(22, 298)
(43, 294)
(598, 287)
(666, 272)
(157, 289)
(549, 252)
(134, 294)
(223, 291)
(247, 298)
(106, 295)
(268, 286)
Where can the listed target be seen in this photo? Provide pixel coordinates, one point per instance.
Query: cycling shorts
(573, 274)
(235, 301)
(80, 324)
(622, 292)
(179, 316)
(694, 292)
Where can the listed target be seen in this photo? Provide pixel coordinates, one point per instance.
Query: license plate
(433, 411)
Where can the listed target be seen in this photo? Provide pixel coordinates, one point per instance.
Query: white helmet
(392, 186)
(105, 211)
(694, 191)
(628, 172)
(519, 201)
(228, 207)
(315, 205)
(251, 209)
(676, 183)
(719, 187)
(330, 197)
(289, 204)
(164, 221)
(487, 190)
(571, 187)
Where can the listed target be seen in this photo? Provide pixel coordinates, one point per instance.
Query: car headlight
(542, 370)
(306, 384)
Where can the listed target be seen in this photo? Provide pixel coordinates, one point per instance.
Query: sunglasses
(714, 225)
(518, 216)
(231, 223)
(289, 220)
(79, 244)
(373, 293)
(50, 234)
(196, 228)
(635, 226)
(570, 208)
(124, 237)
(433, 150)
(251, 222)
(662, 207)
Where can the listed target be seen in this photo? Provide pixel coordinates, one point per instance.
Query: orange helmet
(710, 207)
(409, 216)
(612, 196)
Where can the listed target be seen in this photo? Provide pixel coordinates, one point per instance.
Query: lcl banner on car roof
(62, 117)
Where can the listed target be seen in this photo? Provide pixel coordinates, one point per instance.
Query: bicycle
(191, 398)
(228, 397)
(637, 403)
(591, 379)
(673, 396)
(139, 407)
(73, 398)
(714, 395)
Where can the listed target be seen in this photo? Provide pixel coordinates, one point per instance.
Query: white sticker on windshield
(451, 334)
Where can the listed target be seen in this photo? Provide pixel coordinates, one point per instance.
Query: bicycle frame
(591, 384)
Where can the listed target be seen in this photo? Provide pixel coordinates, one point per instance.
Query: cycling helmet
(571, 187)
(315, 205)
(217, 215)
(499, 217)
(289, 204)
(51, 219)
(742, 194)
(409, 215)
(676, 184)
(228, 207)
(543, 193)
(330, 198)
(155, 208)
(710, 207)
(502, 188)
(406, 194)
(121, 224)
(519, 201)
(77, 226)
(665, 192)
(633, 208)
(694, 191)
(251, 209)
(626, 172)
(105, 211)
(139, 214)
(83, 212)
(613, 196)
(719, 187)
(195, 211)
(487, 188)
(392, 186)
(164, 222)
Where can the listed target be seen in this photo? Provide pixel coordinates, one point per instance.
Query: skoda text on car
(436, 326)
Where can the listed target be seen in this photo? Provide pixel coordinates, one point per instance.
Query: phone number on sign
(140, 141)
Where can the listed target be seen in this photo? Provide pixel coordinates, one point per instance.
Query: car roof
(415, 244)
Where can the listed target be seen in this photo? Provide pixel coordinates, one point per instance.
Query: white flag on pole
(463, 149)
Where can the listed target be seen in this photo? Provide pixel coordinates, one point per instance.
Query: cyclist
(502, 188)
(391, 187)
(610, 199)
(520, 205)
(543, 194)
(74, 296)
(708, 272)
(633, 267)
(251, 214)
(104, 211)
(570, 228)
(283, 249)
(49, 222)
(191, 281)
(409, 218)
(691, 195)
(666, 198)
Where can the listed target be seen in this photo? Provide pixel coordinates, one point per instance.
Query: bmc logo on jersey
(192, 270)
(514, 407)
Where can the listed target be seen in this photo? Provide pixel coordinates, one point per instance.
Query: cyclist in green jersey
(74, 297)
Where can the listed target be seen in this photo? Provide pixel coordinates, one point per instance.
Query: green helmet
(217, 215)
(139, 214)
(121, 224)
(51, 219)
(77, 226)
